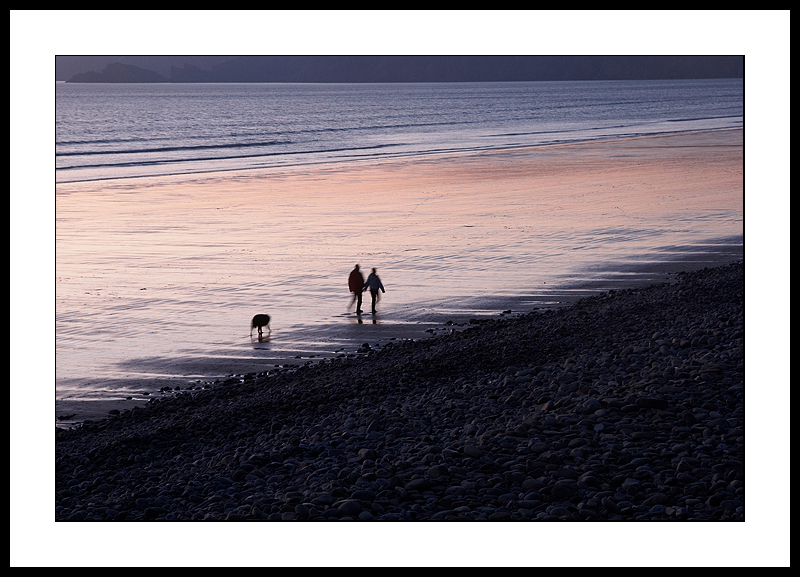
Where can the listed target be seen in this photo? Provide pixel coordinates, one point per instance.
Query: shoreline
(71, 412)
(377, 162)
(628, 405)
(473, 171)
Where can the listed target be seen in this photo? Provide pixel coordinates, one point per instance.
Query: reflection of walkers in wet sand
(356, 284)
(374, 284)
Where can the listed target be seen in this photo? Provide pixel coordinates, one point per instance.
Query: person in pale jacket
(374, 284)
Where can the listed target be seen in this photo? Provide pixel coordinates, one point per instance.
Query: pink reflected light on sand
(176, 268)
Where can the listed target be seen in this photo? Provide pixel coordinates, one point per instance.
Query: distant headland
(369, 69)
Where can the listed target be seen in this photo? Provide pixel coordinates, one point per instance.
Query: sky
(762, 36)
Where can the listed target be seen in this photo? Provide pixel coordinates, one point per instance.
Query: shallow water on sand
(158, 279)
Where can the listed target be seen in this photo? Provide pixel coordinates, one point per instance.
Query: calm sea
(156, 284)
(108, 131)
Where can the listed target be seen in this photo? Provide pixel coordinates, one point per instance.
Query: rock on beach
(628, 405)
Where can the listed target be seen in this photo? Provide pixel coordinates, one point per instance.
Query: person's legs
(358, 305)
(374, 299)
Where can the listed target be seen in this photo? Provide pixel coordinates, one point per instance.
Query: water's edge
(207, 372)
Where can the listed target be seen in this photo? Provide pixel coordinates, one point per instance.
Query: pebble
(628, 405)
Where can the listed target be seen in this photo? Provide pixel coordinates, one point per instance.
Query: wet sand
(700, 171)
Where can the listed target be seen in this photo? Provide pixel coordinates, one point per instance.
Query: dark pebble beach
(627, 405)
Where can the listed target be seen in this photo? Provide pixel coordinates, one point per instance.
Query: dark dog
(259, 321)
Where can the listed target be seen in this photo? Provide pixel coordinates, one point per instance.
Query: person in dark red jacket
(356, 284)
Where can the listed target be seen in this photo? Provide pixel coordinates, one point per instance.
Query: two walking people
(357, 286)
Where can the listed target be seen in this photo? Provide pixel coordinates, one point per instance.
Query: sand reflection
(177, 267)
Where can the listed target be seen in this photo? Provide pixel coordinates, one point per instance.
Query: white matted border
(37, 36)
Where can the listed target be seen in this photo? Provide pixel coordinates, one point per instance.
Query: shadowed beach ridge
(627, 405)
